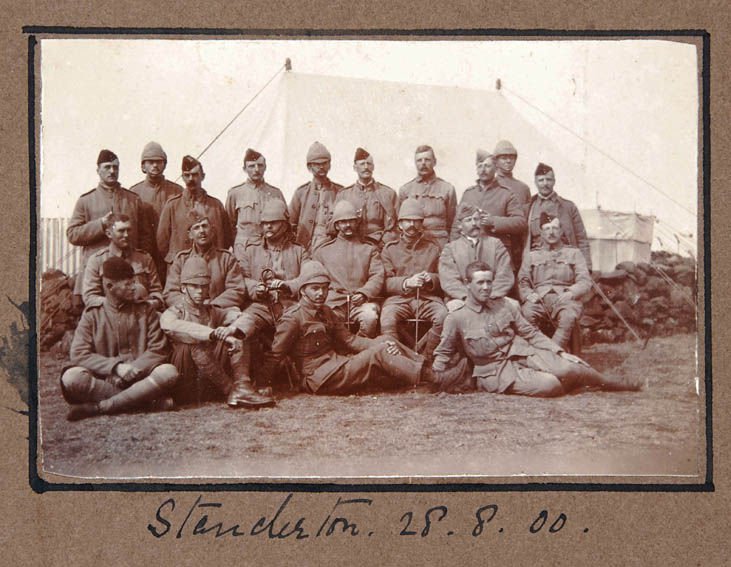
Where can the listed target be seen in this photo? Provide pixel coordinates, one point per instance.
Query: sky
(635, 100)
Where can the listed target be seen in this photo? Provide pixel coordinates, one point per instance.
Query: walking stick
(416, 317)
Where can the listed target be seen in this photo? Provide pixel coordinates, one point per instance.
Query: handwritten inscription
(348, 517)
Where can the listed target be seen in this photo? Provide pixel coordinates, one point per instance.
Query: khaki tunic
(153, 199)
(284, 261)
(518, 188)
(311, 211)
(172, 232)
(108, 334)
(147, 284)
(312, 338)
(227, 288)
(460, 253)
(489, 337)
(439, 203)
(573, 232)
(377, 205)
(560, 270)
(354, 267)
(244, 204)
(403, 259)
(508, 214)
(85, 227)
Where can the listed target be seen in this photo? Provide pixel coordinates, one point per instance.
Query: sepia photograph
(401, 260)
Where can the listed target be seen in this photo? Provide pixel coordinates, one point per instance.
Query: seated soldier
(310, 332)
(488, 345)
(470, 247)
(119, 353)
(411, 265)
(270, 266)
(355, 269)
(204, 346)
(551, 282)
(227, 287)
(147, 283)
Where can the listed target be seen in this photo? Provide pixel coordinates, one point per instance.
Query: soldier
(94, 210)
(552, 281)
(311, 209)
(309, 332)
(501, 214)
(193, 202)
(505, 157)
(355, 269)
(147, 285)
(411, 264)
(547, 201)
(470, 247)
(204, 345)
(438, 198)
(227, 288)
(271, 267)
(375, 201)
(245, 202)
(154, 191)
(119, 353)
(504, 353)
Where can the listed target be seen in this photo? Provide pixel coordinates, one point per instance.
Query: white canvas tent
(617, 237)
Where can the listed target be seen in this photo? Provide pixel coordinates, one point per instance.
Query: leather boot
(243, 393)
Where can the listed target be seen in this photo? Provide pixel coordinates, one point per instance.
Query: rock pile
(58, 315)
(656, 299)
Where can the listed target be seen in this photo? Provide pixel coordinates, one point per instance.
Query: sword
(416, 316)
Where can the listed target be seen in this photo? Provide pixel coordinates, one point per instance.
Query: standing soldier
(245, 202)
(154, 192)
(147, 284)
(376, 202)
(119, 353)
(355, 269)
(501, 214)
(309, 333)
(470, 247)
(552, 281)
(411, 265)
(226, 288)
(438, 198)
(547, 201)
(94, 211)
(193, 202)
(312, 205)
(488, 345)
(204, 346)
(505, 158)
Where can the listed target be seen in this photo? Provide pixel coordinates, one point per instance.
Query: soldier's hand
(486, 219)
(107, 220)
(118, 382)
(222, 332)
(260, 290)
(233, 344)
(413, 282)
(392, 348)
(276, 284)
(357, 299)
(532, 297)
(426, 277)
(123, 370)
(573, 358)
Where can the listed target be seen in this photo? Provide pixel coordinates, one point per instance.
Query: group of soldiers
(182, 292)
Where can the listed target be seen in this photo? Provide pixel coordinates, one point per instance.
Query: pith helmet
(411, 210)
(316, 152)
(195, 271)
(274, 210)
(153, 150)
(312, 272)
(505, 148)
(344, 210)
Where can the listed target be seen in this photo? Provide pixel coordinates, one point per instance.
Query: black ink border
(40, 485)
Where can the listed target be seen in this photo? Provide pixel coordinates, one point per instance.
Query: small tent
(617, 237)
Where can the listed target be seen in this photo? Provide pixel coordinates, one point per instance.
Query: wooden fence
(55, 252)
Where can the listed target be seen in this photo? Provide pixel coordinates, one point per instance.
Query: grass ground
(653, 432)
